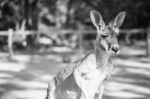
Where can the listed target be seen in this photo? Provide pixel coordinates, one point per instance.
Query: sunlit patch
(125, 80)
(61, 49)
(124, 94)
(139, 71)
(129, 51)
(54, 57)
(5, 78)
(45, 41)
(42, 77)
(11, 67)
(29, 84)
(22, 58)
(46, 77)
(130, 63)
(127, 88)
(4, 81)
(27, 94)
(4, 75)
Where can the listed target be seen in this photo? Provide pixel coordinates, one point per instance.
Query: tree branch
(91, 4)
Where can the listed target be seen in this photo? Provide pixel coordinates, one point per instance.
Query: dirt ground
(25, 76)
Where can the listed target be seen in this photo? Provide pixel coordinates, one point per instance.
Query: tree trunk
(69, 5)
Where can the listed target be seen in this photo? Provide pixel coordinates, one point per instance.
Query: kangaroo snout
(115, 49)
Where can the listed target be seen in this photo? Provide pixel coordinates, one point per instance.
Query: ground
(26, 75)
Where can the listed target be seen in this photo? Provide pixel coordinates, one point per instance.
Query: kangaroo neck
(102, 58)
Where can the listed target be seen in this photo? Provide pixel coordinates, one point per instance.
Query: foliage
(78, 11)
(14, 12)
(70, 13)
(137, 10)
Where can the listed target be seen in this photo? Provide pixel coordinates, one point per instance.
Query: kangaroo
(85, 79)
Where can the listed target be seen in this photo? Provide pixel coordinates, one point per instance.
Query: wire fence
(20, 36)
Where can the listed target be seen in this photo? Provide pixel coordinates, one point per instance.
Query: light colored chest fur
(88, 77)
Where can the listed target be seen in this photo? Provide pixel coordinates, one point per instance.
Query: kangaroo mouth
(115, 52)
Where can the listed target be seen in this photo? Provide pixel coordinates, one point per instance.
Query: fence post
(148, 42)
(80, 41)
(127, 38)
(10, 42)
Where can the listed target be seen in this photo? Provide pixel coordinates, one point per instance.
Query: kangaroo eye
(99, 27)
(104, 35)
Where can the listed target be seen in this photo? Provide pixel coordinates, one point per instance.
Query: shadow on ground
(26, 75)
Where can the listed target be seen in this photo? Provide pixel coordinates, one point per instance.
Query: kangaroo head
(107, 34)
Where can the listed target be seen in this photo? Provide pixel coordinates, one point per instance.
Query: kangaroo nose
(115, 48)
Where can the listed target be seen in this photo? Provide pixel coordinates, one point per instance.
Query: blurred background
(38, 38)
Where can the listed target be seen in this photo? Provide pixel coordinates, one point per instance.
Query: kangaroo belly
(68, 89)
(89, 82)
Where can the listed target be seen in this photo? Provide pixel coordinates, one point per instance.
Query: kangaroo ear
(97, 19)
(118, 20)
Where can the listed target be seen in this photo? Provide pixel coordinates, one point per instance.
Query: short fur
(85, 78)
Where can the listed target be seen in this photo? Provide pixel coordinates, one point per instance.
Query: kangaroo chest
(89, 81)
(83, 83)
